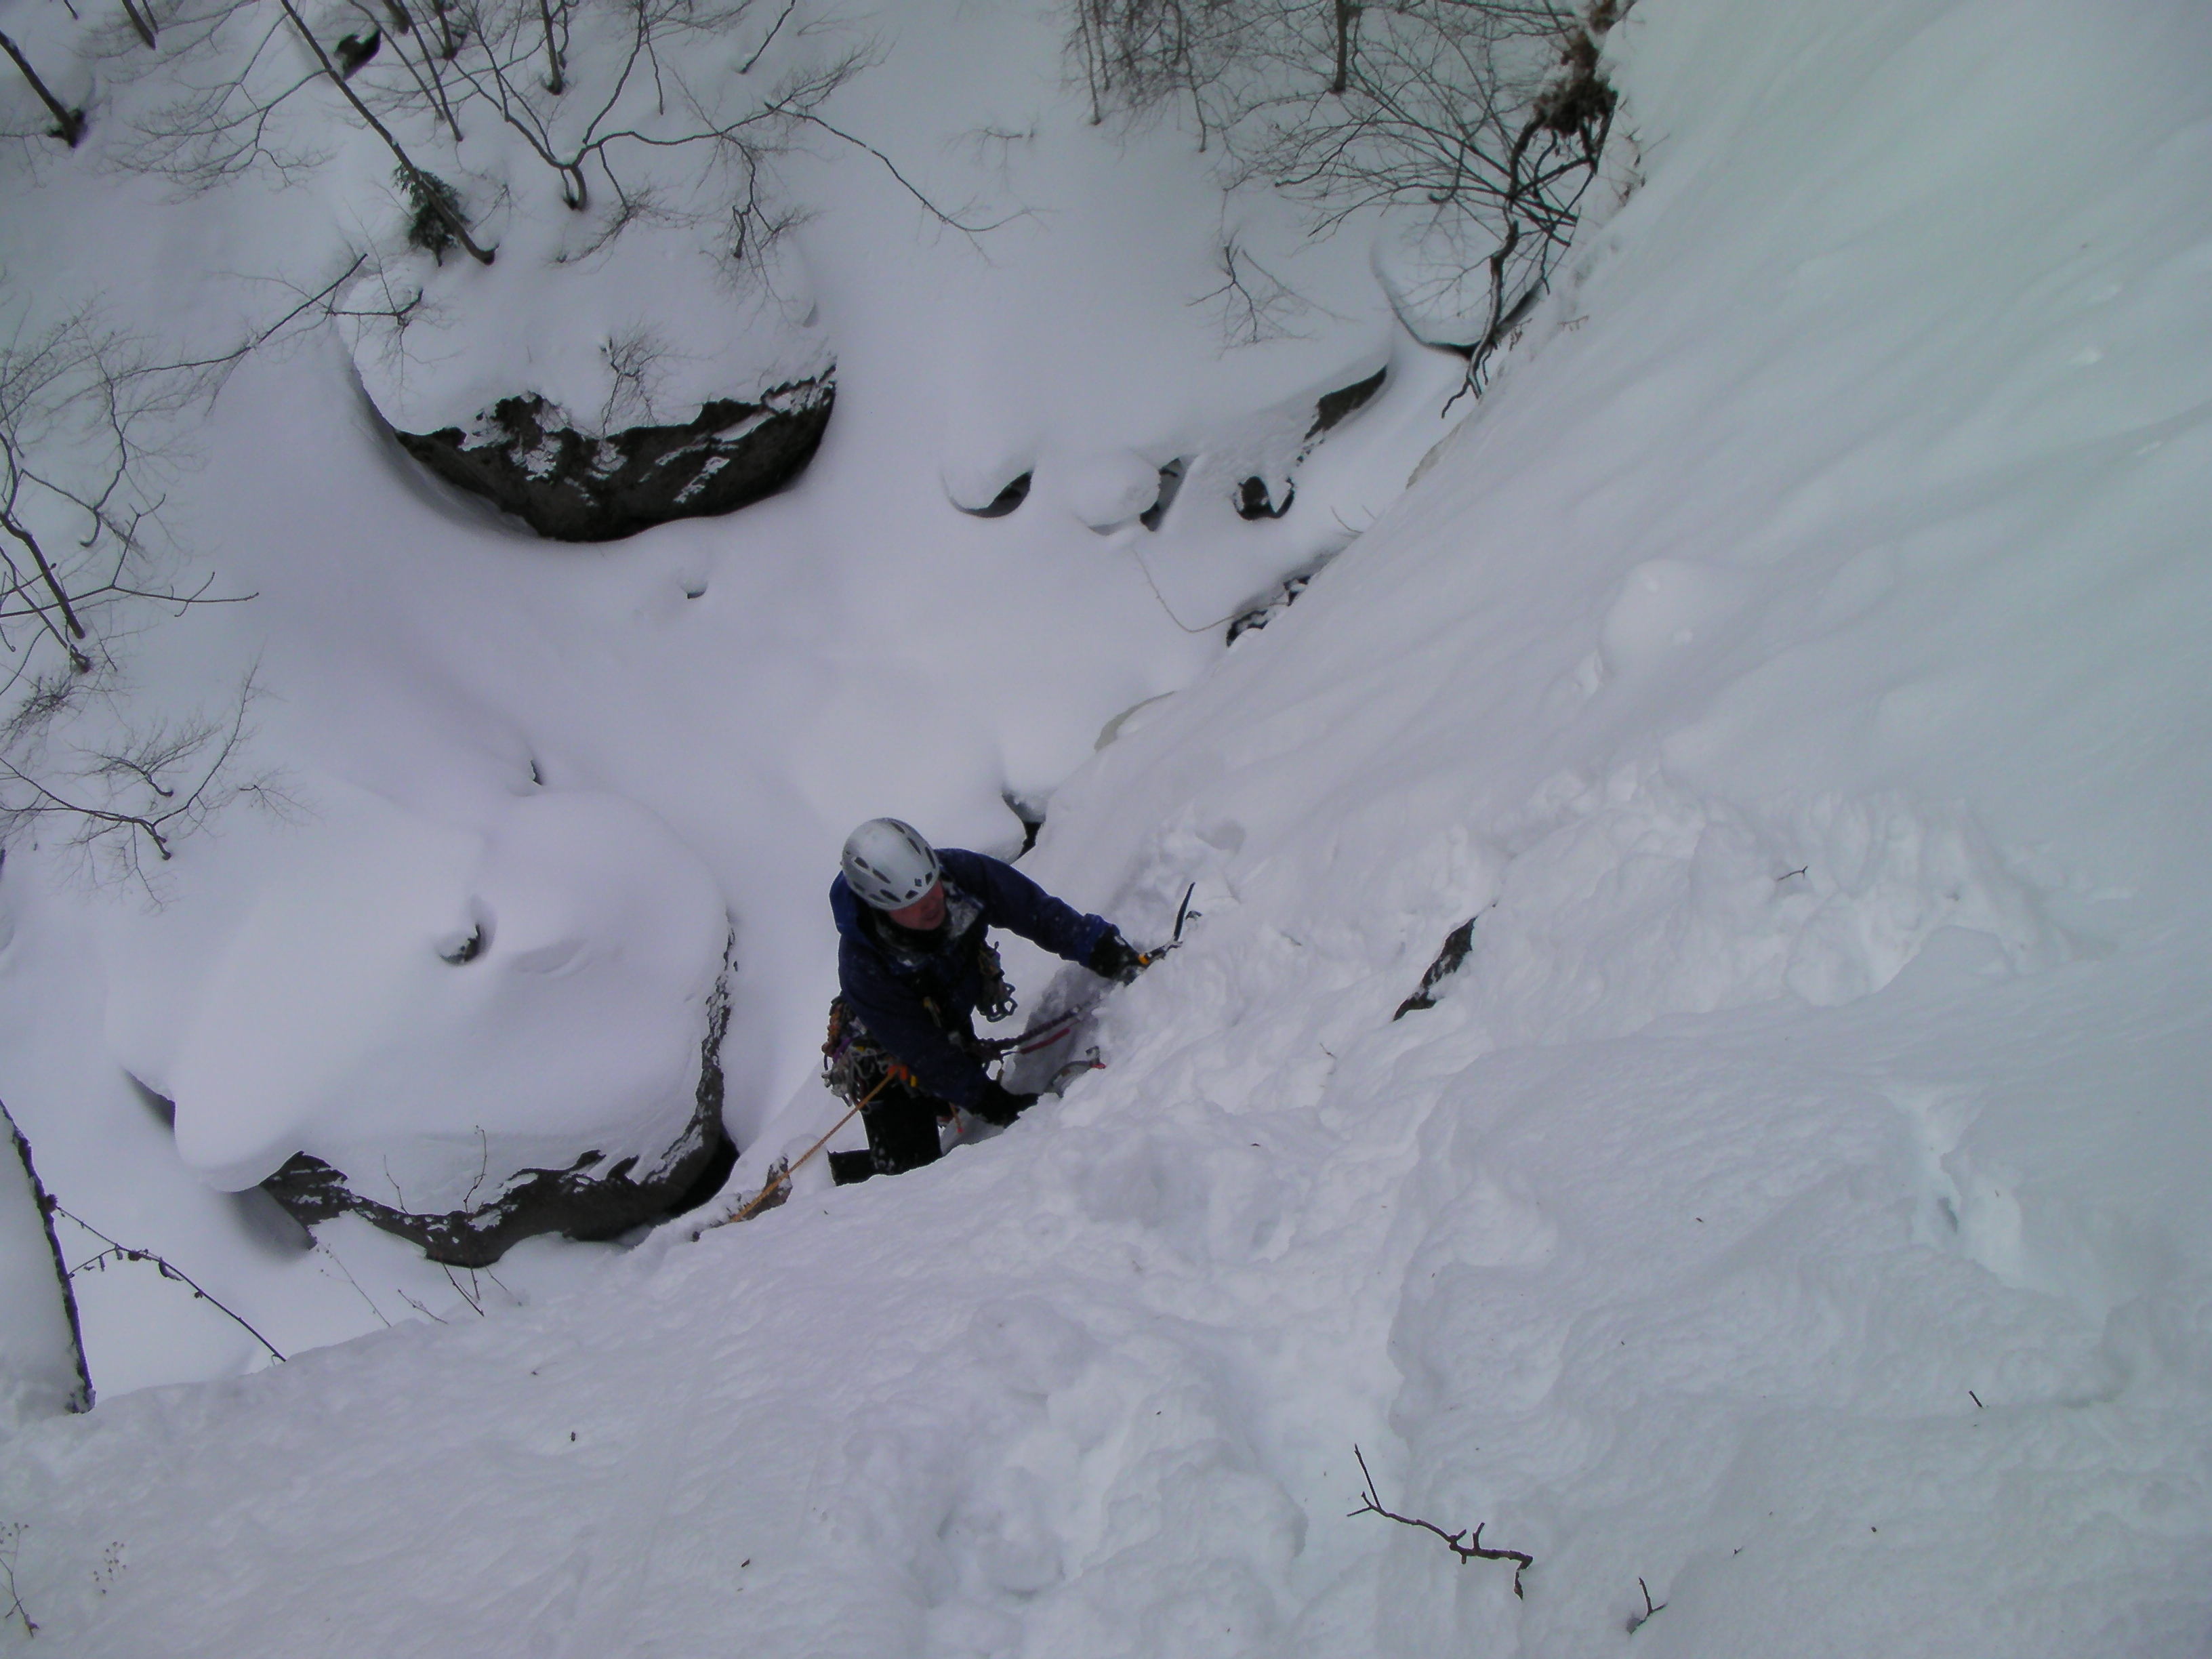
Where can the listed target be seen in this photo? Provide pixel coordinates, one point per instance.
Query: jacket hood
(845, 906)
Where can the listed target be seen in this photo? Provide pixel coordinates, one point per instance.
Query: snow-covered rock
(486, 1030)
(527, 458)
(615, 368)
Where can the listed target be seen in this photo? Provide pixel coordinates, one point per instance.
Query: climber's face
(925, 913)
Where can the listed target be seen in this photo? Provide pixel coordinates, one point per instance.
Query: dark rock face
(1250, 622)
(584, 1200)
(572, 487)
(1005, 501)
(1256, 494)
(1457, 944)
(1253, 501)
(1170, 486)
(1333, 406)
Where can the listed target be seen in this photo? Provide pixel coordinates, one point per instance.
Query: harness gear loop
(997, 1001)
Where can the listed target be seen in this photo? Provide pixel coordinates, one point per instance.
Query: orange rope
(782, 1178)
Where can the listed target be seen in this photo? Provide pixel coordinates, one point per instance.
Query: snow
(396, 983)
(1791, 664)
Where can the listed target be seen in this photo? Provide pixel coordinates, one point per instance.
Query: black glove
(1112, 958)
(999, 1106)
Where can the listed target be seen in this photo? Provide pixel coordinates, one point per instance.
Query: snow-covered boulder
(595, 1197)
(467, 1034)
(602, 376)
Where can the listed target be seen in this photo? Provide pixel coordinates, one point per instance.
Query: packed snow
(1786, 1227)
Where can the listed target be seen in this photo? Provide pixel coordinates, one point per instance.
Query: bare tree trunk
(69, 123)
(554, 84)
(449, 43)
(80, 1398)
(141, 19)
(422, 192)
(1347, 11)
(21, 532)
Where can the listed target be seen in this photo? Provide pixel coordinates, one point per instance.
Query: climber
(914, 968)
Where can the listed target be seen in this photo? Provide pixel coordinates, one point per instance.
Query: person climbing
(914, 967)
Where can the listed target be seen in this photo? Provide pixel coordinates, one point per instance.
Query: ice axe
(1183, 914)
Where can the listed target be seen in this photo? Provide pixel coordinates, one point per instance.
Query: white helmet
(888, 863)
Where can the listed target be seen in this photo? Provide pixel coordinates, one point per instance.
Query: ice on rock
(430, 1007)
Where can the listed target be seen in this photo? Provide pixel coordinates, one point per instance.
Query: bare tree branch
(115, 1252)
(1486, 116)
(1471, 1550)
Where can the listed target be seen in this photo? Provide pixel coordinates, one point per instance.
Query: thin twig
(1638, 1620)
(1471, 1550)
(11, 1540)
(168, 1270)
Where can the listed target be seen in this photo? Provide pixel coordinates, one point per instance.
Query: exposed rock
(1252, 501)
(1255, 494)
(583, 1201)
(569, 486)
(1030, 812)
(1251, 620)
(1170, 484)
(1016, 492)
(1457, 944)
(1333, 406)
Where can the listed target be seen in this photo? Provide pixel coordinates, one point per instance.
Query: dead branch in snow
(1252, 305)
(1471, 1550)
(137, 792)
(92, 425)
(11, 1544)
(601, 92)
(115, 1252)
(1638, 1620)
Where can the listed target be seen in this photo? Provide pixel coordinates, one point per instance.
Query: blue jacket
(884, 979)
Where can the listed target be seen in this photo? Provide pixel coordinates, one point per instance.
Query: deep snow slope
(1793, 1203)
(618, 754)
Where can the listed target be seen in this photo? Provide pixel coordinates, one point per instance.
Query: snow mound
(577, 331)
(431, 1008)
(1679, 904)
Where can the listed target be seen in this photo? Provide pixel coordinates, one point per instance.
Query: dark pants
(901, 1126)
